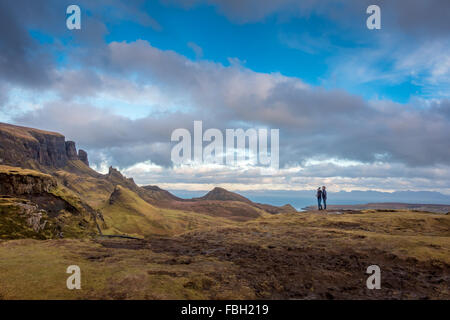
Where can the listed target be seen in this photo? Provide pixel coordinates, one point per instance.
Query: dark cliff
(26, 147)
(71, 150)
(83, 156)
(22, 182)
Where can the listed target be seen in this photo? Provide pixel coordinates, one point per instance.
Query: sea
(304, 198)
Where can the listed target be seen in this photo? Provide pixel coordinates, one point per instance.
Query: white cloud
(315, 124)
(338, 177)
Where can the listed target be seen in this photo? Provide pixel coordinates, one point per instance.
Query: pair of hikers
(322, 195)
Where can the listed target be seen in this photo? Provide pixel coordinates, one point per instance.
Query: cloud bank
(121, 100)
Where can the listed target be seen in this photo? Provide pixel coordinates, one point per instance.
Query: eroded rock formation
(21, 146)
(71, 150)
(83, 156)
(25, 184)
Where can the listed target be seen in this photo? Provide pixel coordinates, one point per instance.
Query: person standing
(319, 198)
(324, 197)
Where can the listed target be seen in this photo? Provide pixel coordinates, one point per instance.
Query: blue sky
(305, 47)
(358, 109)
(309, 47)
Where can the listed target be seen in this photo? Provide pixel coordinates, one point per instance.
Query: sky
(357, 109)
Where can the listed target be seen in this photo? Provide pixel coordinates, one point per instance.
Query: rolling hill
(128, 214)
(222, 195)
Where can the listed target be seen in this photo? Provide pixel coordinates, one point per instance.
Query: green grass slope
(127, 214)
(33, 205)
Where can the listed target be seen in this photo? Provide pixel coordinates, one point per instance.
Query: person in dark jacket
(324, 197)
(319, 198)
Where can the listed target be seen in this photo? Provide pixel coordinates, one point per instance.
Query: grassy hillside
(286, 256)
(127, 208)
(127, 213)
(22, 171)
(231, 210)
(33, 205)
(25, 132)
(14, 222)
(223, 195)
(93, 190)
(23, 218)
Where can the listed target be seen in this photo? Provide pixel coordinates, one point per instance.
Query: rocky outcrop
(71, 150)
(83, 156)
(114, 173)
(30, 199)
(115, 195)
(116, 177)
(12, 183)
(23, 147)
(34, 216)
(18, 146)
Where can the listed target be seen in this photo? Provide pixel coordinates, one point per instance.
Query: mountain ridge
(33, 148)
(110, 199)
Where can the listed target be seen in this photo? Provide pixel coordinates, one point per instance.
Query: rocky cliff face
(23, 183)
(83, 156)
(71, 150)
(32, 199)
(21, 146)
